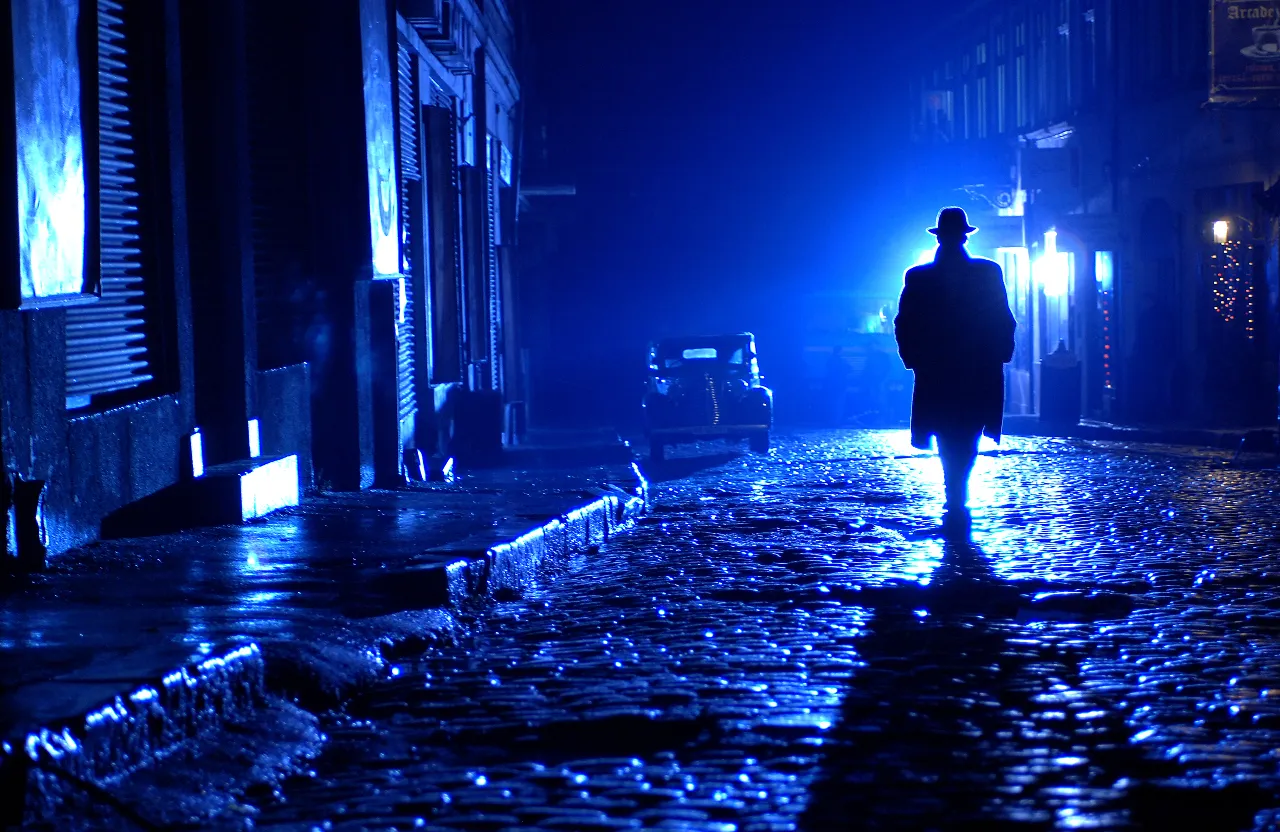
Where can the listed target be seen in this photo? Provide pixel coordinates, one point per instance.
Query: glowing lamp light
(1221, 230)
(926, 257)
(1051, 268)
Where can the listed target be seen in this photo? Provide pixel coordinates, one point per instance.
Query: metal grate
(106, 341)
(493, 287)
(410, 171)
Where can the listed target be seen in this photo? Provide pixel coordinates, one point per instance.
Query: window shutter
(443, 188)
(106, 340)
(410, 171)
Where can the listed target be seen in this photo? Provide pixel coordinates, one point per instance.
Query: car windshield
(698, 358)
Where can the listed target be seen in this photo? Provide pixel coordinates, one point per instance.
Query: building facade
(1125, 153)
(252, 243)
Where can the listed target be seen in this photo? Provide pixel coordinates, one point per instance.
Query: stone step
(226, 494)
(234, 492)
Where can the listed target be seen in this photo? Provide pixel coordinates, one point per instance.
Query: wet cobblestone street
(788, 643)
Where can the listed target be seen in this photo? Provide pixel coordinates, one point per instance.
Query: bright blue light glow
(1052, 268)
(379, 117)
(1104, 266)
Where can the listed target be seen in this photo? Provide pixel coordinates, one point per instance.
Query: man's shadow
(966, 718)
(908, 730)
(912, 749)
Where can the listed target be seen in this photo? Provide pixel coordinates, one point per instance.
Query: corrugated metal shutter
(410, 171)
(106, 341)
(494, 285)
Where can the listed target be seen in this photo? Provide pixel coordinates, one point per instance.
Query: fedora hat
(952, 221)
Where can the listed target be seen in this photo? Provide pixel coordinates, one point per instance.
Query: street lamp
(1221, 232)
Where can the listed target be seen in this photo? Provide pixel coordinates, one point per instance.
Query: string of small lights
(1106, 341)
(1231, 286)
(1248, 308)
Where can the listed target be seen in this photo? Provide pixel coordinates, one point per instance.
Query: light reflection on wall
(51, 189)
(379, 123)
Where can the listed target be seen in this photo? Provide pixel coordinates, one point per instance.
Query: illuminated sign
(1245, 49)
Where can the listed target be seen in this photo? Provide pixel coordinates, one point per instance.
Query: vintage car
(706, 387)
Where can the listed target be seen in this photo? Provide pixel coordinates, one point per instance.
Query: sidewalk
(1228, 439)
(126, 648)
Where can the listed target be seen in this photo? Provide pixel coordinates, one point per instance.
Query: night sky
(729, 157)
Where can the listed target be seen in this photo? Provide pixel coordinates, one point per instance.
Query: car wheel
(760, 442)
(657, 451)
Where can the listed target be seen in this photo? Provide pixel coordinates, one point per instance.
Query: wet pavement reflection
(788, 642)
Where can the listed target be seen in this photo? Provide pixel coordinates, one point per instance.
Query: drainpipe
(1118, 260)
(522, 64)
(522, 61)
(1114, 57)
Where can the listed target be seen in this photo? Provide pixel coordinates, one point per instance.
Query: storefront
(1074, 300)
(1237, 293)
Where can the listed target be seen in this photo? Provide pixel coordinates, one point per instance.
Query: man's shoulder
(916, 273)
(982, 265)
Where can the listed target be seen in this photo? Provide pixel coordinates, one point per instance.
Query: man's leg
(958, 451)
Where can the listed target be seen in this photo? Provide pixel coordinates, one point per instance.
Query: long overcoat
(955, 331)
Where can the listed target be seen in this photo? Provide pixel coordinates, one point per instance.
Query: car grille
(706, 401)
(713, 399)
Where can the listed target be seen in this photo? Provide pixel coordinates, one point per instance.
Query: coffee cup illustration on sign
(1266, 39)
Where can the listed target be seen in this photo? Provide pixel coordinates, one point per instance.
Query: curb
(119, 737)
(112, 741)
(1218, 440)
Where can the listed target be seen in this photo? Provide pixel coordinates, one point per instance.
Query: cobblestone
(788, 643)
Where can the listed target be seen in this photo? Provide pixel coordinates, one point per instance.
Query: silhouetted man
(955, 330)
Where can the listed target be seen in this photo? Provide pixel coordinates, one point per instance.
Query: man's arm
(906, 323)
(1004, 324)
